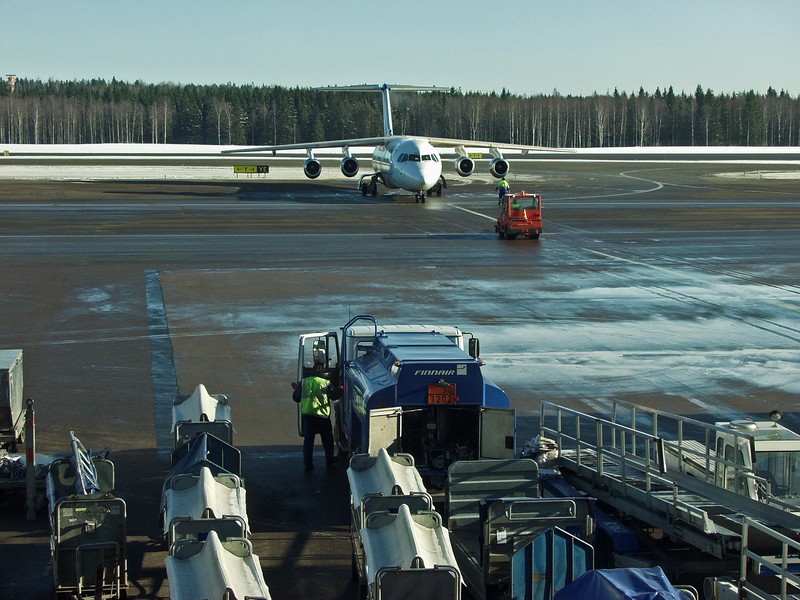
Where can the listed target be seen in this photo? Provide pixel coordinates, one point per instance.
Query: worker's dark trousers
(313, 425)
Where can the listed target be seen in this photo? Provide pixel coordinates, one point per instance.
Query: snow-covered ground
(88, 162)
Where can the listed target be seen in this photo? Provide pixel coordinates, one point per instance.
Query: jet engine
(465, 166)
(499, 167)
(312, 168)
(349, 166)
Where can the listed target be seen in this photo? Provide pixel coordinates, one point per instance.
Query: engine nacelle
(465, 166)
(349, 166)
(499, 167)
(312, 168)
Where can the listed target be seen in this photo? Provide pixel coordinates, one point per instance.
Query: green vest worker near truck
(313, 393)
(502, 189)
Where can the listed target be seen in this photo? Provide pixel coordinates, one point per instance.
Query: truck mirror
(474, 347)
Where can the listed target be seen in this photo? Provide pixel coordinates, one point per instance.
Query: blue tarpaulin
(621, 584)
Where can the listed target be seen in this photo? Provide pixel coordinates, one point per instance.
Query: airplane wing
(377, 141)
(373, 141)
(524, 148)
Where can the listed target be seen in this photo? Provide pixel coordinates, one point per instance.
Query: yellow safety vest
(314, 397)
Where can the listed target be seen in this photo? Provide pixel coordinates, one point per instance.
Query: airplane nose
(430, 174)
(430, 177)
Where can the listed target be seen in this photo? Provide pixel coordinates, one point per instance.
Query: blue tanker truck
(412, 389)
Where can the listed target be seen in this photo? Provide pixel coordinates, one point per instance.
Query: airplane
(407, 162)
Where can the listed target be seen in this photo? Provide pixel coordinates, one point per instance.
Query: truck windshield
(524, 203)
(781, 470)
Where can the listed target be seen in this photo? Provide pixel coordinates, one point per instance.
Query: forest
(98, 111)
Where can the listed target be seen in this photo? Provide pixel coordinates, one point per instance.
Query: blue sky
(526, 46)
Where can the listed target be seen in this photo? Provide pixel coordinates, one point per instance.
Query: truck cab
(767, 449)
(520, 215)
(412, 389)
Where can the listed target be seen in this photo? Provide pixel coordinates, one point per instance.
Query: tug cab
(520, 215)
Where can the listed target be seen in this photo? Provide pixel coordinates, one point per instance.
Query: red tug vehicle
(520, 215)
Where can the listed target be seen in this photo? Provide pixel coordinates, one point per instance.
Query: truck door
(385, 428)
(317, 347)
(497, 433)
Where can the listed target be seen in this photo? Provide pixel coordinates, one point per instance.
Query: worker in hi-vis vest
(313, 393)
(502, 189)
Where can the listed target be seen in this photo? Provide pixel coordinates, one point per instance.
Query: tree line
(99, 111)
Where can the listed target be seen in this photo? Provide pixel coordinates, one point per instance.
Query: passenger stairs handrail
(782, 570)
(634, 453)
(659, 420)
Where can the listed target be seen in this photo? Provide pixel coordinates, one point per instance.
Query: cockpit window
(426, 157)
(403, 158)
(413, 157)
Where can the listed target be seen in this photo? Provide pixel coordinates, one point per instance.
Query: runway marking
(472, 212)
(776, 302)
(162, 364)
(639, 263)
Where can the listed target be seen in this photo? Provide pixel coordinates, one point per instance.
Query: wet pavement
(660, 283)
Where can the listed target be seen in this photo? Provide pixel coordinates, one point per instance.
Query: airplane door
(498, 432)
(385, 428)
(313, 347)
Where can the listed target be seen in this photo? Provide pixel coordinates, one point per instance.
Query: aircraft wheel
(364, 189)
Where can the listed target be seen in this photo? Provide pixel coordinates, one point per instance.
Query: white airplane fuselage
(407, 163)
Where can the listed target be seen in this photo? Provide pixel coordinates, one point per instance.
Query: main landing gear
(370, 187)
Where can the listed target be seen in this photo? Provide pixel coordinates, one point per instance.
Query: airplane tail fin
(384, 91)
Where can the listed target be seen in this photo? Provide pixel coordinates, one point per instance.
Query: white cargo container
(12, 409)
